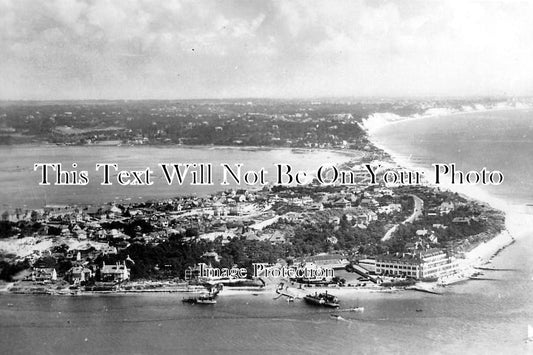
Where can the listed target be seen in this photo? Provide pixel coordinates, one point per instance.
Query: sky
(178, 49)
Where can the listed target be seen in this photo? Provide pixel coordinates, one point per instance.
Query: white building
(115, 272)
(432, 263)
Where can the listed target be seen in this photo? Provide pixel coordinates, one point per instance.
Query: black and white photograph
(266, 177)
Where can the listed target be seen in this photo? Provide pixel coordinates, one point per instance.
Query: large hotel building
(428, 264)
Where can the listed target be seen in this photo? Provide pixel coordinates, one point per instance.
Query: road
(417, 211)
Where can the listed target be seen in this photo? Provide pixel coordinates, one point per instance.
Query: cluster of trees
(310, 239)
(8, 270)
(454, 233)
(23, 228)
(171, 258)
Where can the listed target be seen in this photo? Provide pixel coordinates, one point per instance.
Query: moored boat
(204, 299)
(322, 299)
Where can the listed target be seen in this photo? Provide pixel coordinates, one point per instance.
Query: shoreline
(517, 223)
(255, 148)
(371, 127)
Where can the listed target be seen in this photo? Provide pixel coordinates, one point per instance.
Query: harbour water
(475, 317)
(20, 183)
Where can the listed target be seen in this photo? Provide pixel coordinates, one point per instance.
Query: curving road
(417, 211)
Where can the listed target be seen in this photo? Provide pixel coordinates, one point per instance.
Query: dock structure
(364, 272)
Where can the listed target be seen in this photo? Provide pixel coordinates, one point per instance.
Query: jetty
(423, 289)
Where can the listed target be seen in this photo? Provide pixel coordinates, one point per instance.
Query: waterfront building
(79, 274)
(43, 274)
(115, 272)
(428, 264)
(326, 261)
(368, 264)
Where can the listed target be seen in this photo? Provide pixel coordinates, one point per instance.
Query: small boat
(204, 299)
(336, 316)
(419, 310)
(322, 299)
(357, 309)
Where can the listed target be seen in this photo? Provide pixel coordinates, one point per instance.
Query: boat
(322, 299)
(203, 299)
(206, 300)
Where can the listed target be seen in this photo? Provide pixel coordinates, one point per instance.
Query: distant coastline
(380, 120)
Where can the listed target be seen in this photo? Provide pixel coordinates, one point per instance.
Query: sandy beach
(518, 222)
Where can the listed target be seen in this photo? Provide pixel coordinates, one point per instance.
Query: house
(326, 261)
(332, 240)
(43, 268)
(368, 202)
(212, 254)
(461, 220)
(43, 274)
(433, 238)
(277, 238)
(115, 272)
(446, 207)
(236, 210)
(432, 212)
(316, 206)
(78, 274)
(422, 232)
(364, 217)
(112, 211)
(342, 203)
(439, 226)
(108, 250)
(251, 235)
(74, 255)
(390, 208)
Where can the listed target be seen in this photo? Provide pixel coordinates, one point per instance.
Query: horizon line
(303, 98)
